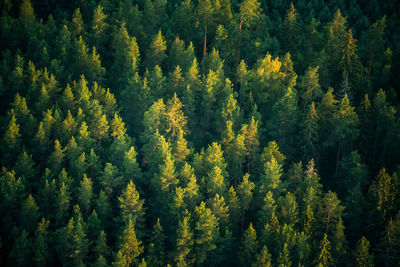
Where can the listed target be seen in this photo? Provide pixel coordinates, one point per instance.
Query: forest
(199, 133)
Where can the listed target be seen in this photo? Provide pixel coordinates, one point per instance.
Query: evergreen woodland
(199, 133)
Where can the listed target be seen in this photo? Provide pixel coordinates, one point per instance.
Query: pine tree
(180, 148)
(330, 212)
(346, 127)
(85, 194)
(290, 29)
(62, 204)
(270, 180)
(110, 180)
(130, 167)
(311, 89)
(77, 25)
(29, 213)
(288, 209)
(79, 244)
(251, 139)
(310, 131)
(234, 209)
(176, 82)
(156, 52)
(248, 246)
(40, 244)
(93, 226)
(131, 205)
(176, 120)
(245, 192)
(236, 156)
(349, 49)
(324, 258)
(339, 244)
(25, 167)
(268, 207)
(21, 253)
(215, 182)
(272, 150)
(27, 14)
(165, 180)
(263, 259)
(156, 251)
(384, 193)
(250, 14)
(362, 256)
(284, 257)
(220, 210)
(206, 232)
(126, 55)
(12, 135)
(129, 248)
(184, 243)
(99, 27)
(101, 248)
(103, 208)
(117, 127)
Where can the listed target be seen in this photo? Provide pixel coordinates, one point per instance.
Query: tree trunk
(205, 41)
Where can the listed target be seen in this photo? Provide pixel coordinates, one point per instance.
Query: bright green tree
(129, 248)
(184, 243)
(206, 232)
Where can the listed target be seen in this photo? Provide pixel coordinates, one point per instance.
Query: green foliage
(196, 120)
(248, 246)
(130, 204)
(129, 248)
(206, 232)
(184, 243)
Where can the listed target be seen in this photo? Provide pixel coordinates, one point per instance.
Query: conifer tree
(29, 213)
(85, 194)
(215, 182)
(101, 248)
(362, 256)
(117, 126)
(12, 135)
(77, 25)
(324, 258)
(156, 52)
(21, 253)
(129, 248)
(127, 55)
(99, 27)
(130, 166)
(79, 245)
(103, 208)
(40, 244)
(245, 192)
(248, 246)
(184, 243)
(220, 210)
(156, 250)
(131, 205)
(234, 209)
(62, 204)
(206, 232)
(263, 259)
(290, 29)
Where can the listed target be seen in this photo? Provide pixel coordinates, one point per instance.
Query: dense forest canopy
(199, 133)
